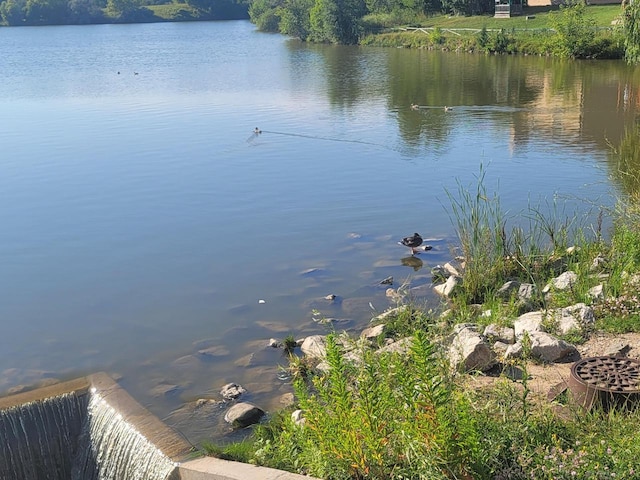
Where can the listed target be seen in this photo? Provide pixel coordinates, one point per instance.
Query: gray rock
(575, 317)
(439, 273)
(214, 351)
(389, 313)
(526, 291)
(231, 391)
(550, 349)
(597, 292)
(297, 417)
(373, 332)
(166, 390)
(401, 346)
(470, 351)
(508, 289)
(561, 282)
(529, 322)
(447, 288)
(513, 351)
(502, 334)
(618, 349)
(243, 414)
(452, 269)
(315, 346)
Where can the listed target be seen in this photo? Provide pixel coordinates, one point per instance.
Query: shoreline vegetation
(397, 401)
(572, 30)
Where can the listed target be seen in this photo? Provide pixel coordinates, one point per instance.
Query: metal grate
(610, 374)
(611, 382)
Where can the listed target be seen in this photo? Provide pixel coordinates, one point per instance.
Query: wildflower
(609, 451)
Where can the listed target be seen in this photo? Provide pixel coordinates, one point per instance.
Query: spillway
(89, 430)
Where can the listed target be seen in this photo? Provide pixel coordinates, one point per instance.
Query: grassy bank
(577, 32)
(409, 415)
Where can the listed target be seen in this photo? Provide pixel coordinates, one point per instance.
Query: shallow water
(143, 220)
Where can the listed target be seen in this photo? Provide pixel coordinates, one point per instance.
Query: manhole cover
(608, 381)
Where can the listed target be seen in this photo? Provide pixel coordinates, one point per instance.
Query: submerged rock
(231, 391)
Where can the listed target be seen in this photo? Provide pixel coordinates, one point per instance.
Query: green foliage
(220, 9)
(482, 39)
(436, 36)
(336, 21)
(457, 7)
(265, 14)
(390, 417)
(574, 30)
(295, 20)
(500, 42)
(480, 226)
(631, 31)
(12, 11)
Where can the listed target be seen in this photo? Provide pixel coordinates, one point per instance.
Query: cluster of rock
(468, 347)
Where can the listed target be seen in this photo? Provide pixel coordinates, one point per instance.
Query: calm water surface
(142, 221)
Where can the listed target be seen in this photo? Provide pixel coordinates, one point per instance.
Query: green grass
(602, 14)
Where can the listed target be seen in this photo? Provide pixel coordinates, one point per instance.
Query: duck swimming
(413, 242)
(448, 109)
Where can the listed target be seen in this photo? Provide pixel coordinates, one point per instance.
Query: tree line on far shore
(78, 12)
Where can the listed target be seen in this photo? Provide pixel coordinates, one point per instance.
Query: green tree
(295, 19)
(266, 15)
(336, 21)
(85, 11)
(574, 30)
(12, 12)
(45, 12)
(631, 31)
(221, 9)
(457, 7)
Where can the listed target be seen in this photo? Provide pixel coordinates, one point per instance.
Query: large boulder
(529, 322)
(545, 347)
(470, 351)
(243, 414)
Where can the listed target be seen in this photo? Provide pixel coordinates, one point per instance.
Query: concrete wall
(208, 468)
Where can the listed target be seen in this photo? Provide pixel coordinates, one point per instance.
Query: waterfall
(76, 437)
(115, 450)
(39, 440)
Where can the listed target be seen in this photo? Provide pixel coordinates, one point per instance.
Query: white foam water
(76, 437)
(116, 450)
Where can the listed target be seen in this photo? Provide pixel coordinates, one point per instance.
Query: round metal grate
(612, 374)
(609, 380)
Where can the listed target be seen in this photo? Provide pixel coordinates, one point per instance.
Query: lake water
(143, 221)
